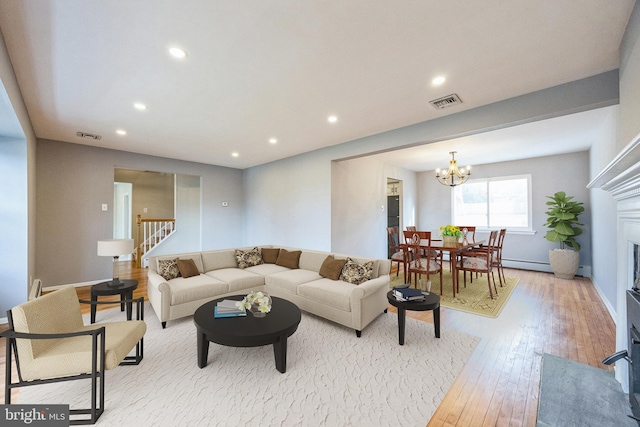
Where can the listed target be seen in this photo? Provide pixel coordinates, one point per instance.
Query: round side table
(431, 302)
(125, 290)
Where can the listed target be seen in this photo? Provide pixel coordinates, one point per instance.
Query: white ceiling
(260, 69)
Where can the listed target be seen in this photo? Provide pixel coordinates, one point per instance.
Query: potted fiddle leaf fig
(564, 227)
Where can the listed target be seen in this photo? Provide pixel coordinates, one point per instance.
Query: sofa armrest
(159, 294)
(370, 287)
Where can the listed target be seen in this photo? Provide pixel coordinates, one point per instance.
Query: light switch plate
(225, 204)
(104, 207)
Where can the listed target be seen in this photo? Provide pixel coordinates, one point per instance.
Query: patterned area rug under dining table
(474, 298)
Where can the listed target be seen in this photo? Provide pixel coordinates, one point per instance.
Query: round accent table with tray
(125, 289)
(247, 331)
(430, 302)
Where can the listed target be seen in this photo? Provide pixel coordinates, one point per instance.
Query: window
(503, 202)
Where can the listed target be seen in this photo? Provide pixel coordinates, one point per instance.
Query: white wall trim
(611, 309)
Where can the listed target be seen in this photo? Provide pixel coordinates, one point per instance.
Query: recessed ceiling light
(140, 106)
(121, 132)
(332, 119)
(234, 154)
(177, 52)
(438, 80)
(273, 140)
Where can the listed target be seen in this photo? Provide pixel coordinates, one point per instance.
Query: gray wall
(604, 215)
(359, 191)
(17, 175)
(73, 181)
(567, 172)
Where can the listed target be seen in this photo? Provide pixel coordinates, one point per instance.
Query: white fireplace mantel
(621, 177)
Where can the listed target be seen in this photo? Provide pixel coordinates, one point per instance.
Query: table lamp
(115, 248)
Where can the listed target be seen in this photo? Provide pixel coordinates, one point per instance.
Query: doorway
(394, 206)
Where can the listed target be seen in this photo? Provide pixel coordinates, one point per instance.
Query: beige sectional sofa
(219, 274)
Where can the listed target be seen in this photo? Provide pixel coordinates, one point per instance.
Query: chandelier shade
(453, 176)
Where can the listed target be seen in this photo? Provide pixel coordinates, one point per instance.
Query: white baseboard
(583, 270)
(610, 308)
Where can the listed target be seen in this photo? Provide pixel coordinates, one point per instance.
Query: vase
(449, 240)
(255, 307)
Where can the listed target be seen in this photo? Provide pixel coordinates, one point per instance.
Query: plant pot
(564, 263)
(449, 240)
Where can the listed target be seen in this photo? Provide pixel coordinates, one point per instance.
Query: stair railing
(151, 232)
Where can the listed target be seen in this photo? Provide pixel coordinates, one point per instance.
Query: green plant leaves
(562, 218)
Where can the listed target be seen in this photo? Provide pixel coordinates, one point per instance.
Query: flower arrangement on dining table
(258, 300)
(450, 230)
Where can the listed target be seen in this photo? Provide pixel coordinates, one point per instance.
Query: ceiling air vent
(446, 101)
(88, 135)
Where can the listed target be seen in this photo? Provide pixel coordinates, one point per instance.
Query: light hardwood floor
(499, 385)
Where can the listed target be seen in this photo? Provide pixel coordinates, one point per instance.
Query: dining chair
(396, 250)
(419, 257)
(480, 261)
(471, 231)
(497, 256)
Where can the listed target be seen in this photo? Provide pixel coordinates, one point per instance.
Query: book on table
(227, 308)
(408, 294)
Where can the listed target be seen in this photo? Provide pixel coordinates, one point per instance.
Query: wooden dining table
(453, 251)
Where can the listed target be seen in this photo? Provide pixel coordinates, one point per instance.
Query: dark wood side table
(125, 290)
(431, 302)
(248, 331)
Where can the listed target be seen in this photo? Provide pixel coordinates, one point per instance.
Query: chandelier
(453, 176)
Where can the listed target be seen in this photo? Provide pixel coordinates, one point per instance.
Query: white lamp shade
(115, 247)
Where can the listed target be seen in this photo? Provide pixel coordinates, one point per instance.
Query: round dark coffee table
(431, 302)
(248, 331)
(124, 289)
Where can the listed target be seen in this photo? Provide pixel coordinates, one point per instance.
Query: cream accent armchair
(50, 343)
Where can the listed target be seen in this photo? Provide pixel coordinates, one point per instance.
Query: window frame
(528, 177)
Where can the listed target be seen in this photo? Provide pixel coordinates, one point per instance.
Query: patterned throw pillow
(355, 273)
(168, 268)
(248, 258)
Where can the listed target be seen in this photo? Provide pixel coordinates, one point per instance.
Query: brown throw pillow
(168, 268)
(288, 259)
(187, 268)
(331, 268)
(270, 255)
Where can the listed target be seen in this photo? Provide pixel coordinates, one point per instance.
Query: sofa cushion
(290, 279)
(312, 260)
(270, 255)
(334, 293)
(288, 259)
(168, 268)
(187, 268)
(237, 279)
(266, 269)
(195, 288)
(356, 273)
(331, 268)
(213, 260)
(248, 258)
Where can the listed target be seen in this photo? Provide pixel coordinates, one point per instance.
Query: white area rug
(333, 378)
